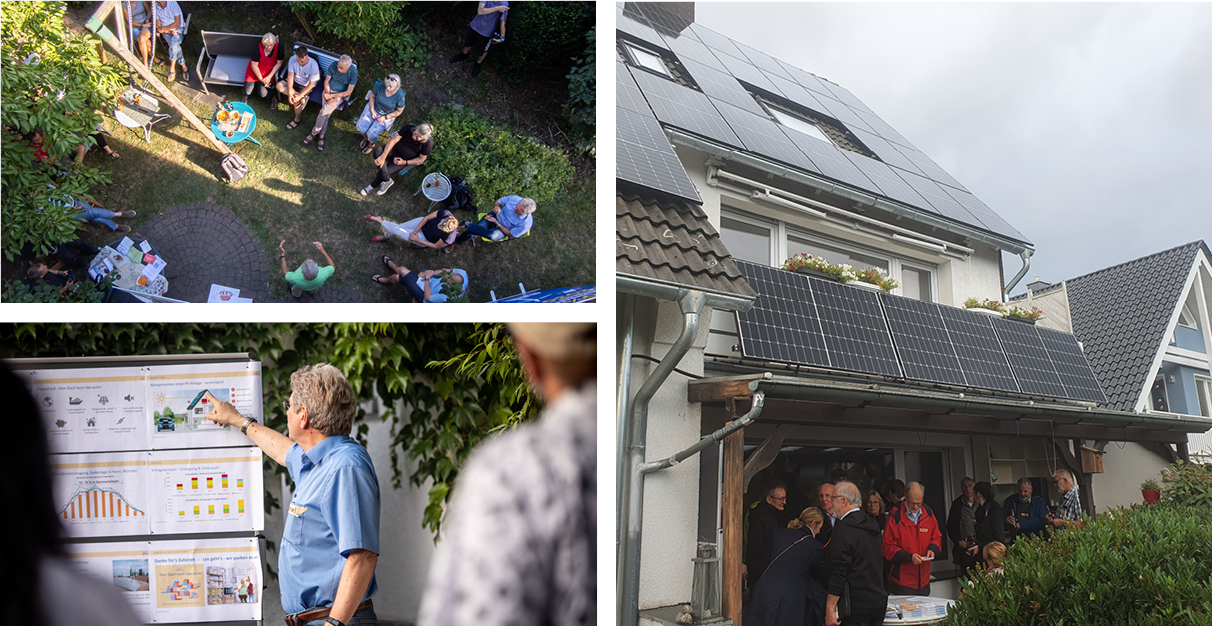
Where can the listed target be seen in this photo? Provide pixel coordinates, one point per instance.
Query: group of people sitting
(888, 546)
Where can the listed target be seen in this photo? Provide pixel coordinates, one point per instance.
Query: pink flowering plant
(1032, 314)
(875, 276)
(992, 305)
(804, 260)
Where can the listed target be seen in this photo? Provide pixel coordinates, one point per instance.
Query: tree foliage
(378, 24)
(581, 108)
(493, 160)
(456, 383)
(1149, 565)
(55, 93)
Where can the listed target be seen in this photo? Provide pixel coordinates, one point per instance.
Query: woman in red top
(263, 69)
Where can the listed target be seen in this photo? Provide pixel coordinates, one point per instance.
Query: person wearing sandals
(425, 286)
(302, 74)
(139, 14)
(169, 21)
(511, 216)
(338, 86)
(310, 276)
(385, 105)
(409, 146)
(438, 230)
(261, 70)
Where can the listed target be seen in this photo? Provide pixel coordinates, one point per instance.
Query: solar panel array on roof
(722, 68)
(805, 320)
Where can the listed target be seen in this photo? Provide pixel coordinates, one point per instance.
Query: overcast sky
(1086, 126)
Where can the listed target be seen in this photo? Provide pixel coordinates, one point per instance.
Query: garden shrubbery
(1148, 565)
(379, 24)
(581, 108)
(541, 38)
(493, 160)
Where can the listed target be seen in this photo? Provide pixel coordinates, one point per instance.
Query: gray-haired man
(310, 276)
(338, 86)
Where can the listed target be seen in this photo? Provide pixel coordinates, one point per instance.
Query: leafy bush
(1145, 565)
(581, 108)
(376, 23)
(540, 37)
(494, 161)
(82, 291)
(1189, 484)
(56, 95)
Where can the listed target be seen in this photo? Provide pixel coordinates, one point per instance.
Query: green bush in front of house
(1148, 565)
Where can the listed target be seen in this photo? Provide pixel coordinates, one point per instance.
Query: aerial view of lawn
(506, 131)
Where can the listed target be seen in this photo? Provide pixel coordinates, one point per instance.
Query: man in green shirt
(310, 275)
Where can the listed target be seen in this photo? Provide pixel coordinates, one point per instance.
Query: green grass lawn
(299, 194)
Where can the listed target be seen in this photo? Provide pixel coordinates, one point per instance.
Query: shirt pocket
(296, 516)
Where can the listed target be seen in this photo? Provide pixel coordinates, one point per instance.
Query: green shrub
(56, 95)
(581, 109)
(1189, 484)
(376, 23)
(493, 160)
(1145, 565)
(84, 290)
(540, 37)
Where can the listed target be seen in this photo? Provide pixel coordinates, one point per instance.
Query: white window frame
(798, 124)
(1204, 383)
(643, 58)
(1187, 319)
(780, 231)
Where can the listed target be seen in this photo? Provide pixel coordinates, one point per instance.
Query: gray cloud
(1087, 126)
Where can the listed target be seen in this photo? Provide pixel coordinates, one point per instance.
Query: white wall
(405, 547)
(671, 496)
(1123, 472)
(978, 276)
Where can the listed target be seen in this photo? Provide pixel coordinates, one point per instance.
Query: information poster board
(205, 580)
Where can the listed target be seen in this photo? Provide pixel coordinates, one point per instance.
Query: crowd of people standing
(837, 562)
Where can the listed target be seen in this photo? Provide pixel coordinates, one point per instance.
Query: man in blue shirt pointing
(331, 542)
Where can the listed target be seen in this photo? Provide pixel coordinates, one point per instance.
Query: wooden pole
(733, 502)
(95, 24)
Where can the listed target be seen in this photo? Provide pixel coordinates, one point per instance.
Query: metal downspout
(628, 591)
(627, 326)
(1026, 256)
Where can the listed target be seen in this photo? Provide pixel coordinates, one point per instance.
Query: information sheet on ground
(92, 410)
(204, 580)
(178, 410)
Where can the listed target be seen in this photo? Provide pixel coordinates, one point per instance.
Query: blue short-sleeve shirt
(517, 226)
(335, 509)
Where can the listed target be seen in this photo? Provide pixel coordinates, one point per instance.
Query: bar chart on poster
(152, 494)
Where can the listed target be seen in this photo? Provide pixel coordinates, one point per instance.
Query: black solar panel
(722, 86)
(1071, 365)
(783, 324)
(922, 341)
(764, 61)
(855, 332)
(1028, 359)
(643, 156)
(745, 71)
(688, 47)
(627, 94)
(886, 182)
(976, 346)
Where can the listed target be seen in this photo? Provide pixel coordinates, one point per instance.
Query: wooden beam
(717, 391)
(765, 454)
(733, 503)
(97, 24)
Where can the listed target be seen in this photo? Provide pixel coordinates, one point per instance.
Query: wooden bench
(227, 56)
(325, 59)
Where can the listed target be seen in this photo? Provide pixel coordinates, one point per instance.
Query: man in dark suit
(855, 564)
(763, 520)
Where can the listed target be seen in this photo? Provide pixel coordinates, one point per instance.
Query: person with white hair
(437, 230)
(425, 287)
(339, 84)
(385, 104)
(911, 541)
(310, 276)
(856, 567)
(407, 147)
(1070, 511)
(302, 74)
(511, 216)
(519, 541)
(261, 70)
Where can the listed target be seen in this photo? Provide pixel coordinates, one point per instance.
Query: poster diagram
(91, 410)
(178, 412)
(180, 581)
(214, 490)
(102, 495)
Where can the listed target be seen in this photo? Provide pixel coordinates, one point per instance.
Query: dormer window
(640, 57)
